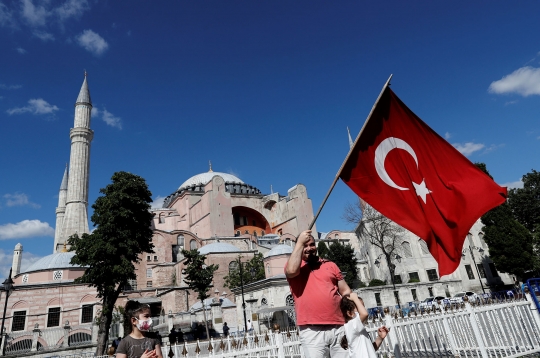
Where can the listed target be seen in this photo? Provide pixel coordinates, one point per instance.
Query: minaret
(76, 215)
(61, 208)
(351, 143)
(17, 257)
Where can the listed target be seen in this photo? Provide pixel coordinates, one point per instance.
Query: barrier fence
(488, 327)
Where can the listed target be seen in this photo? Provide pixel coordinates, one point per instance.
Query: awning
(274, 309)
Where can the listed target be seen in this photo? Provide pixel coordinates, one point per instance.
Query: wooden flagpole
(348, 155)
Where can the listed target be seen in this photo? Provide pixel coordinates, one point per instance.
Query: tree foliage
(376, 282)
(198, 277)
(344, 257)
(255, 265)
(510, 243)
(322, 250)
(122, 220)
(377, 231)
(525, 202)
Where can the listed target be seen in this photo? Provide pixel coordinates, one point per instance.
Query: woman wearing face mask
(137, 323)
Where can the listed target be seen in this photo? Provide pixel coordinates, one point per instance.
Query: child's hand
(149, 354)
(383, 331)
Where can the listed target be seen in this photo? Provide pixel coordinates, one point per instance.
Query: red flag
(425, 185)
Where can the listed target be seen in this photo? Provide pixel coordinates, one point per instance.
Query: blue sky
(264, 89)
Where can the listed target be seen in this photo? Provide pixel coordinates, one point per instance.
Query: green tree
(199, 277)
(322, 250)
(255, 265)
(510, 243)
(122, 220)
(344, 257)
(525, 202)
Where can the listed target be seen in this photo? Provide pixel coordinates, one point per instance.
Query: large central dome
(205, 178)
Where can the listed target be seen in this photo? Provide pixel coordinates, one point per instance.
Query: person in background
(225, 329)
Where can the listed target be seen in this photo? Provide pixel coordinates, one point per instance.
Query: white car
(458, 297)
(431, 302)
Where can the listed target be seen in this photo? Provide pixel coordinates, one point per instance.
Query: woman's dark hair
(344, 343)
(132, 309)
(346, 306)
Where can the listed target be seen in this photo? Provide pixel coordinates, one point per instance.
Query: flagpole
(348, 155)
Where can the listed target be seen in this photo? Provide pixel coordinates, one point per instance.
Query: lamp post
(7, 288)
(392, 269)
(480, 250)
(252, 272)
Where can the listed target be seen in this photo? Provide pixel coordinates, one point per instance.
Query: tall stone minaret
(61, 209)
(76, 214)
(17, 257)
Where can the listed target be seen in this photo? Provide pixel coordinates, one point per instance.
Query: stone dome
(205, 178)
(279, 250)
(59, 260)
(218, 247)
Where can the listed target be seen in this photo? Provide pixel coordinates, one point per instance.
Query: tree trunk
(205, 321)
(105, 323)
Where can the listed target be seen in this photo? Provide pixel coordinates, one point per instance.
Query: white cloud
(34, 15)
(25, 229)
(9, 87)
(513, 184)
(158, 202)
(6, 260)
(111, 120)
(524, 81)
(447, 135)
(95, 112)
(72, 8)
(6, 16)
(92, 42)
(35, 106)
(44, 36)
(468, 148)
(21, 50)
(19, 199)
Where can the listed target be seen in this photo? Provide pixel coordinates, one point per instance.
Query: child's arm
(158, 351)
(362, 312)
(382, 331)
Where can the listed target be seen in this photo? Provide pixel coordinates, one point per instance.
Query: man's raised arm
(295, 260)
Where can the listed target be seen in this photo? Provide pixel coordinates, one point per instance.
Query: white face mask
(144, 325)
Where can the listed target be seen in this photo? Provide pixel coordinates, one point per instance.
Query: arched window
(268, 268)
(238, 233)
(180, 240)
(246, 232)
(291, 314)
(406, 248)
(254, 233)
(193, 244)
(280, 232)
(336, 236)
(366, 274)
(161, 218)
(233, 265)
(423, 247)
(262, 233)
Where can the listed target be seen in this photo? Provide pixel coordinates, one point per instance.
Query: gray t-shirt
(134, 348)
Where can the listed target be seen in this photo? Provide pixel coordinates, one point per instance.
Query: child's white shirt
(360, 345)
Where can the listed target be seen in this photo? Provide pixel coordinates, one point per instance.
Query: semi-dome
(218, 247)
(59, 260)
(279, 250)
(205, 178)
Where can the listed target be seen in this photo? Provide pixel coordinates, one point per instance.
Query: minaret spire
(351, 143)
(61, 208)
(76, 211)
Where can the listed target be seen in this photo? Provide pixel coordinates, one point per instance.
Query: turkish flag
(417, 179)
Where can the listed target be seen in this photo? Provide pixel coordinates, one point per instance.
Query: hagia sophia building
(216, 213)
